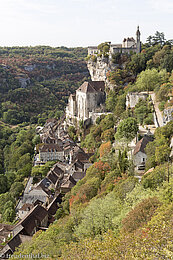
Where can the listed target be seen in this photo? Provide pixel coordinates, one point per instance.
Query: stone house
(15, 242)
(53, 206)
(36, 194)
(51, 152)
(25, 229)
(139, 155)
(47, 139)
(67, 185)
(23, 211)
(55, 175)
(83, 158)
(30, 224)
(5, 233)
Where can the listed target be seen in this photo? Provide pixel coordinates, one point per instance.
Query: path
(157, 110)
(28, 186)
(26, 191)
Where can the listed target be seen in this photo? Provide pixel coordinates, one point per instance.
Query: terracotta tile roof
(50, 147)
(92, 86)
(140, 146)
(69, 183)
(55, 174)
(5, 231)
(81, 156)
(38, 213)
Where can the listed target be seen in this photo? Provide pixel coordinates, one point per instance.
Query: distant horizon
(81, 23)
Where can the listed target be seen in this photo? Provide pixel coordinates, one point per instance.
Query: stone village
(38, 204)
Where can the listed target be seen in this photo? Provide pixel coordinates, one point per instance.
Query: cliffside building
(88, 98)
(128, 45)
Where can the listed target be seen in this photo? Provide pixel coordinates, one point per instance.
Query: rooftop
(140, 146)
(50, 148)
(92, 86)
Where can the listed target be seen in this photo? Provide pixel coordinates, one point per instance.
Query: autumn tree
(105, 148)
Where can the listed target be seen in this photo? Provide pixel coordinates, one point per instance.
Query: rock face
(99, 69)
(167, 115)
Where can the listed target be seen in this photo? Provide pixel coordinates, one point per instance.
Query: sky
(75, 23)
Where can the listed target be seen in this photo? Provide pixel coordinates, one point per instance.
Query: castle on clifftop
(129, 45)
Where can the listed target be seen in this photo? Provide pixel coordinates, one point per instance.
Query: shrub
(154, 179)
(141, 214)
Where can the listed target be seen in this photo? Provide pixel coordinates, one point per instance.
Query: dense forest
(108, 214)
(31, 74)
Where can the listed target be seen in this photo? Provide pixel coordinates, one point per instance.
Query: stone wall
(93, 116)
(139, 158)
(133, 98)
(167, 115)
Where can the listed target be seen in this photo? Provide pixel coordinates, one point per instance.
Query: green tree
(16, 189)
(158, 38)
(8, 213)
(23, 161)
(148, 80)
(36, 140)
(127, 129)
(3, 183)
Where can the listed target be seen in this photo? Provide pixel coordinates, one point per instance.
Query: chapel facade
(88, 97)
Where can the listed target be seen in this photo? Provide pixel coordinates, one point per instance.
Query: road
(157, 110)
(28, 186)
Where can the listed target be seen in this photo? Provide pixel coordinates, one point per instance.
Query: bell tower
(138, 42)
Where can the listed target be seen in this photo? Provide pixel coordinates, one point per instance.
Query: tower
(138, 42)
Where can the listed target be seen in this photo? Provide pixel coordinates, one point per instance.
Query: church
(88, 98)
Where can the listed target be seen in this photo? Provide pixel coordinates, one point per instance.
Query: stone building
(139, 154)
(51, 152)
(36, 219)
(132, 98)
(128, 45)
(89, 96)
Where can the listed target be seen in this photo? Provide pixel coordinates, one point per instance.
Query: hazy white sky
(81, 22)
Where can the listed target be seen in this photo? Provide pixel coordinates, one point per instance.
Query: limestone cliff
(99, 69)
